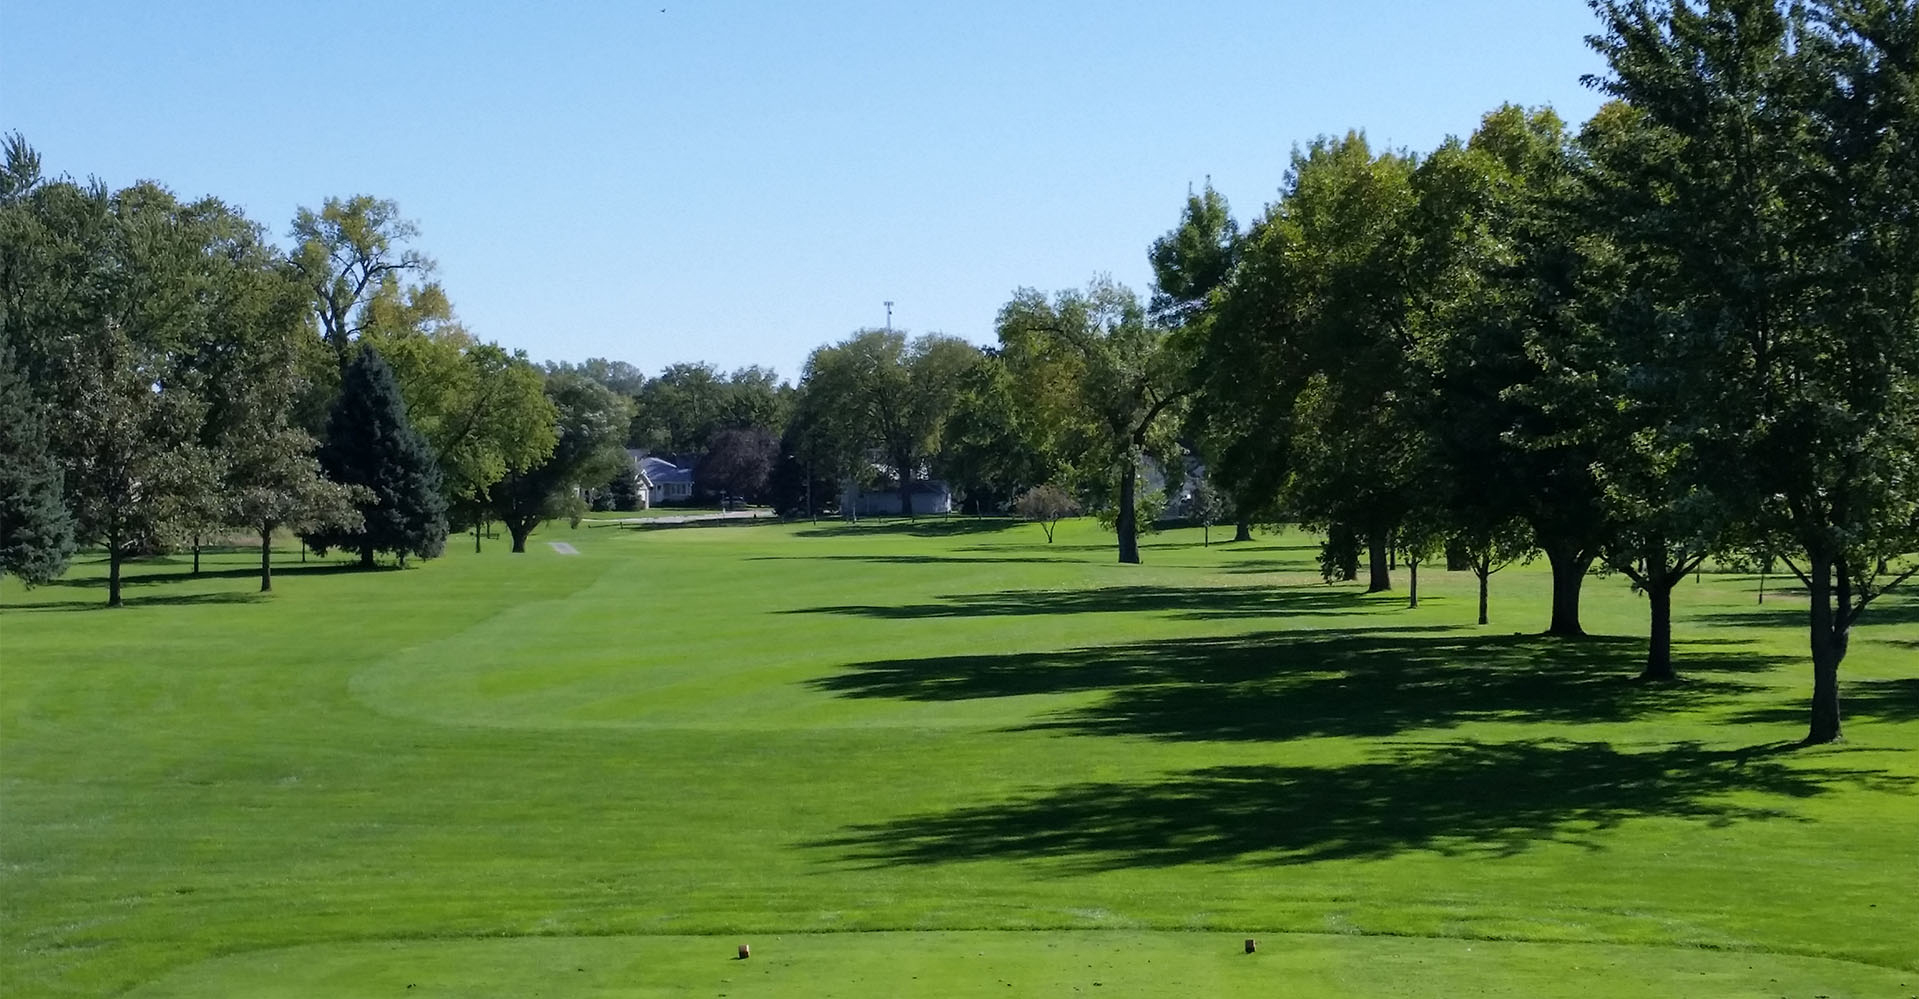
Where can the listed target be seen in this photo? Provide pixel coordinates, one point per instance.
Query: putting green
(1116, 964)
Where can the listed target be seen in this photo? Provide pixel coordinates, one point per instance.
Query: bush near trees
(1046, 505)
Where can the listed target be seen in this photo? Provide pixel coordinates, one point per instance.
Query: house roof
(638, 458)
(659, 471)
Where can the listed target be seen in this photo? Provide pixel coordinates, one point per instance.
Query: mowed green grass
(944, 760)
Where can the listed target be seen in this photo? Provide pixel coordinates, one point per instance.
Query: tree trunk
(1206, 535)
(1659, 644)
(476, 537)
(1569, 573)
(1128, 529)
(1484, 572)
(519, 529)
(113, 570)
(906, 499)
(196, 554)
(1242, 530)
(366, 555)
(1412, 586)
(266, 559)
(1378, 547)
(1829, 640)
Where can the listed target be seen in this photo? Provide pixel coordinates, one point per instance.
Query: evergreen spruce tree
(370, 444)
(36, 531)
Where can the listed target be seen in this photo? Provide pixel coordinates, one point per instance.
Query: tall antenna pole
(889, 317)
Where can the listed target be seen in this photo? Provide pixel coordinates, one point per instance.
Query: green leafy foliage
(881, 392)
(1046, 505)
(592, 426)
(1105, 387)
(351, 256)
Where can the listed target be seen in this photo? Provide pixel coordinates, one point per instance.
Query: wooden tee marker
(1250, 945)
(746, 952)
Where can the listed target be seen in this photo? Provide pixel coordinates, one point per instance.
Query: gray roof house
(665, 481)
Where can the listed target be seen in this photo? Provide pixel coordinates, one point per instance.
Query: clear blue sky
(740, 182)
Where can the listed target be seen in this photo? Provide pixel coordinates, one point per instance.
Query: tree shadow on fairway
(918, 559)
(1878, 700)
(1291, 685)
(926, 528)
(1889, 611)
(136, 600)
(1459, 799)
(133, 575)
(1194, 603)
(141, 586)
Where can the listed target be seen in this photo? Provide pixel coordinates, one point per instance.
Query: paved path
(563, 548)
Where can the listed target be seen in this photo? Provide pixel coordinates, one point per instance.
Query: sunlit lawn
(944, 759)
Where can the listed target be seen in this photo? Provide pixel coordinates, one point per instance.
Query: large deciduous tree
(349, 254)
(991, 451)
(1517, 402)
(1782, 142)
(592, 424)
(1322, 304)
(109, 298)
(1191, 264)
(1103, 383)
(482, 410)
(893, 394)
(679, 412)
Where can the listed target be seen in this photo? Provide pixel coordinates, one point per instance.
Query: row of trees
(1686, 329)
(167, 375)
(1689, 328)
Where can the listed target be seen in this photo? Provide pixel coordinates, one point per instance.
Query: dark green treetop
(370, 444)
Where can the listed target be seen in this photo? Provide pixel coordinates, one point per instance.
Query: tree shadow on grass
(1291, 685)
(1878, 700)
(133, 577)
(929, 527)
(153, 589)
(1897, 608)
(136, 600)
(1459, 799)
(918, 559)
(1198, 603)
